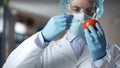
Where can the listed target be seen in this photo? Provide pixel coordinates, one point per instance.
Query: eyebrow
(75, 6)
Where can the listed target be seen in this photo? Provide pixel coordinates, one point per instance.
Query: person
(78, 48)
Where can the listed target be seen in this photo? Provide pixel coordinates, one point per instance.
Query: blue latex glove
(96, 42)
(56, 25)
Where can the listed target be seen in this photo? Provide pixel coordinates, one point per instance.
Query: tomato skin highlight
(89, 22)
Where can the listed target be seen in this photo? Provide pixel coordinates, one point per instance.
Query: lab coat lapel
(85, 53)
(85, 56)
(66, 49)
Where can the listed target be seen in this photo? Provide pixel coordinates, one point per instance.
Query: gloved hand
(56, 25)
(96, 42)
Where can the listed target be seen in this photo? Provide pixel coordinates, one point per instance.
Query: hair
(64, 4)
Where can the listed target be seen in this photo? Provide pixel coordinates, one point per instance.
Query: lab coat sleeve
(111, 60)
(27, 54)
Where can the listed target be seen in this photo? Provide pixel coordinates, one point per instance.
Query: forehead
(82, 3)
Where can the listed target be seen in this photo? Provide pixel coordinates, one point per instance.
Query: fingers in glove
(88, 35)
(94, 33)
(63, 20)
(68, 20)
(89, 39)
(68, 15)
(98, 26)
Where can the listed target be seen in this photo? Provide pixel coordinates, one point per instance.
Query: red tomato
(91, 22)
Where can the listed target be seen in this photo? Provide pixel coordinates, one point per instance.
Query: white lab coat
(58, 54)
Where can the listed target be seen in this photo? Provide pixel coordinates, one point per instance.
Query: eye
(75, 9)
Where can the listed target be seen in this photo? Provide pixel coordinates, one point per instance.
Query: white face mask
(76, 26)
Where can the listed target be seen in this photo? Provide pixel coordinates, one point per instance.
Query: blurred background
(19, 19)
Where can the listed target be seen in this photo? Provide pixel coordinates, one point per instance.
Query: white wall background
(111, 21)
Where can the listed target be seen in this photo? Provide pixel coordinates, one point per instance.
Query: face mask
(76, 25)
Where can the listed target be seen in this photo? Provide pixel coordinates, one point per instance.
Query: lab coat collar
(85, 55)
(70, 36)
(66, 49)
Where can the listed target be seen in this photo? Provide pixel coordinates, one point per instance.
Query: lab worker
(78, 48)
